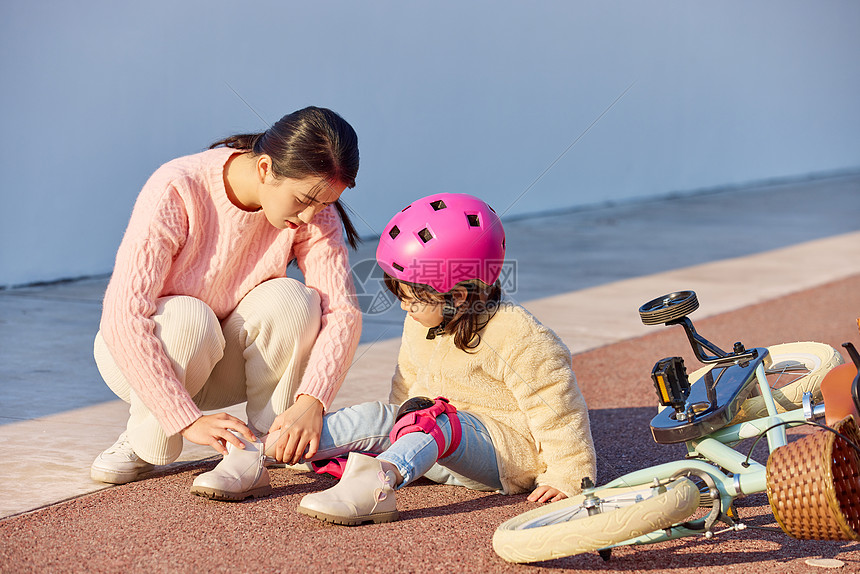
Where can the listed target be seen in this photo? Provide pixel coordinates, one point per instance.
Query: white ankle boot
(240, 474)
(119, 464)
(365, 493)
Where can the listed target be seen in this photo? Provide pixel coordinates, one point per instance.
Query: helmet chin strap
(448, 312)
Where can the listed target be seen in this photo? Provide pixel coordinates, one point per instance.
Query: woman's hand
(214, 430)
(546, 494)
(297, 430)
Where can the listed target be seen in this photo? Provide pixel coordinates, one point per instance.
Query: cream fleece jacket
(185, 237)
(520, 383)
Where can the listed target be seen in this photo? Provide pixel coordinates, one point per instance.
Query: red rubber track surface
(156, 526)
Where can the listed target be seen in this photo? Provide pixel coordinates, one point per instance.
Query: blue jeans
(365, 428)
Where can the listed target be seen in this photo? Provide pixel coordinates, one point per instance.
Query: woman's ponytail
(238, 141)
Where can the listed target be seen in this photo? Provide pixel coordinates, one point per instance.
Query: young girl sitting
(509, 416)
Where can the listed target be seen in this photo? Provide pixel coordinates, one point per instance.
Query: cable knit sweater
(185, 237)
(520, 383)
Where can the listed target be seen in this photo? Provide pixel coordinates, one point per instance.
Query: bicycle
(711, 410)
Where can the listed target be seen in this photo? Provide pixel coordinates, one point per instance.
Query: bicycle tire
(819, 358)
(564, 528)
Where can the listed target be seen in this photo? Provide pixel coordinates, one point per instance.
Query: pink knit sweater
(185, 237)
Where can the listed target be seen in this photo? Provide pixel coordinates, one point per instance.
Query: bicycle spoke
(800, 369)
(571, 513)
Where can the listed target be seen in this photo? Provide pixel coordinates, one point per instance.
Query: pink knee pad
(419, 414)
(333, 466)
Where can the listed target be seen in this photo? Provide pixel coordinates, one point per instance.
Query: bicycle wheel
(565, 528)
(794, 368)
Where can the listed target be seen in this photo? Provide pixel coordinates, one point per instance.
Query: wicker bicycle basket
(813, 485)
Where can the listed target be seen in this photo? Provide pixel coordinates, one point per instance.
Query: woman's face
(289, 203)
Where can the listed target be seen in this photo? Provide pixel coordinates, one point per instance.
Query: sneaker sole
(215, 494)
(351, 521)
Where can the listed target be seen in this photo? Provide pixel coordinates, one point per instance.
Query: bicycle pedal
(733, 513)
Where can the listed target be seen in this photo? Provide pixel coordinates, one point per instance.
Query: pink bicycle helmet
(441, 240)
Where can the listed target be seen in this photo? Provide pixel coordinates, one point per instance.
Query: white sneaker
(364, 494)
(119, 464)
(240, 475)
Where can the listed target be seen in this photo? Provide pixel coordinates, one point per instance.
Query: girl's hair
(311, 142)
(481, 303)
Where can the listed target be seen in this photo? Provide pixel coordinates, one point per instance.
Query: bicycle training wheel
(668, 307)
(565, 528)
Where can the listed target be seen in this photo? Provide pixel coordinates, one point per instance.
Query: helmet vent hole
(425, 235)
(474, 221)
(395, 231)
(437, 205)
(398, 267)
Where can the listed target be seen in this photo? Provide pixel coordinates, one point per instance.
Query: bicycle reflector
(670, 380)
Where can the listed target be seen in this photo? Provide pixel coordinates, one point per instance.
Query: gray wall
(481, 97)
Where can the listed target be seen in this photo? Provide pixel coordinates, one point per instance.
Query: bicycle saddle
(841, 389)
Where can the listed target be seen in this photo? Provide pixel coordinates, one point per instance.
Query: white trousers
(257, 354)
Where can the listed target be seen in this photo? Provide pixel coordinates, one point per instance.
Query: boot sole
(351, 521)
(215, 494)
(114, 477)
